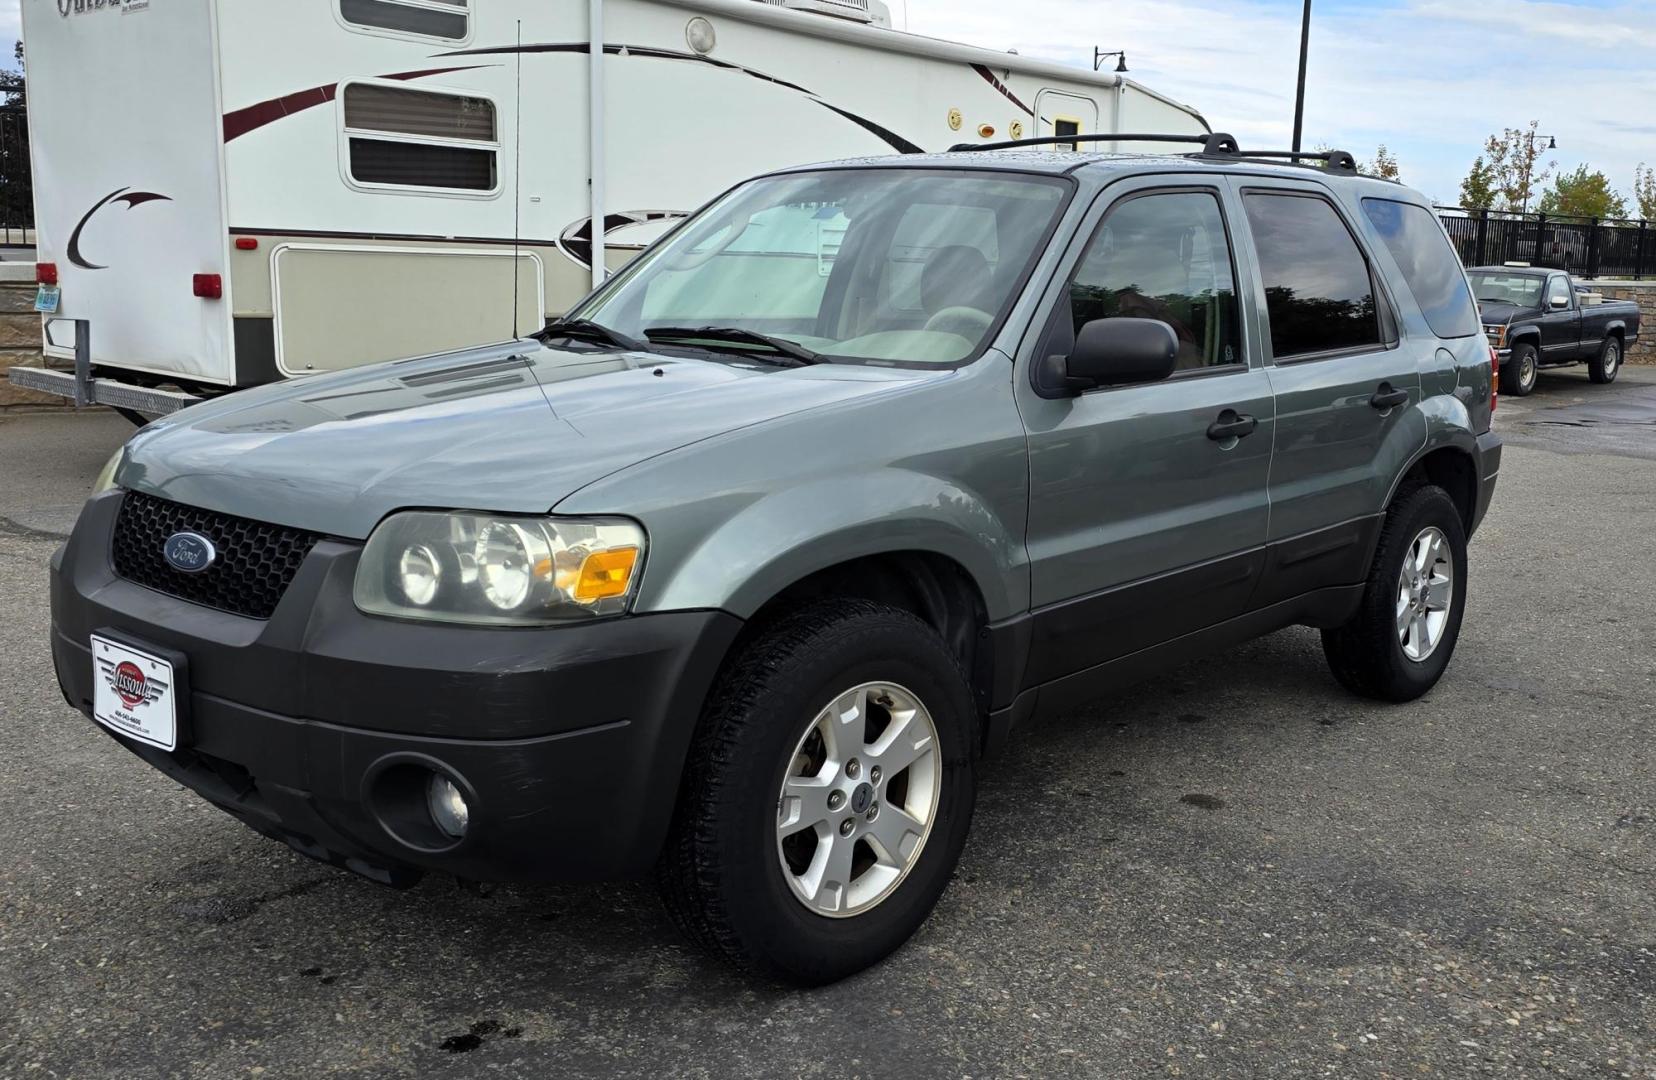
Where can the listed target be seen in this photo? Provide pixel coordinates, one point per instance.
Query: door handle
(1231, 425)
(1387, 398)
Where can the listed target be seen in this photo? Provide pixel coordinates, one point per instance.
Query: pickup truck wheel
(827, 796)
(1522, 371)
(1398, 644)
(1603, 367)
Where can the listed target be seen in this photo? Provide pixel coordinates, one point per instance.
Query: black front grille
(255, 565)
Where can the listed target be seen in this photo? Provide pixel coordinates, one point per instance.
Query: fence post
(1592, 248)
(1540, 238)
(1638, 253)
(1483, 236)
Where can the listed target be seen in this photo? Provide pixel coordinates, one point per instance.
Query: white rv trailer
(232, 192)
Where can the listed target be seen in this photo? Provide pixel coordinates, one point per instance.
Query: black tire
(1366, 654)
(720, 876)
(1522, 371)
(1604, 367)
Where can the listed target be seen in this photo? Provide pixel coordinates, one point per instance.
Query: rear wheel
(1400, 641)
(1522, 371)
(1603, 367)
(827, 797)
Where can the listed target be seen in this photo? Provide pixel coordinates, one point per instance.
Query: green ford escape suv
(736, 574)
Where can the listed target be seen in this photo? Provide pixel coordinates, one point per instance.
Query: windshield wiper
(735, 335)
(587, 330)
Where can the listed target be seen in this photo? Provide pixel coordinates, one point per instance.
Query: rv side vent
(863, 11)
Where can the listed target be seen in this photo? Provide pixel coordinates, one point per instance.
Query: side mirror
(1114, 352)
(1559, 303)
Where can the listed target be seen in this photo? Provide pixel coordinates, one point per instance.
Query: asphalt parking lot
(1235, 871)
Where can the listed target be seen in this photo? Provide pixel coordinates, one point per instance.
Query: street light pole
(1529, 163)
(1299, 94)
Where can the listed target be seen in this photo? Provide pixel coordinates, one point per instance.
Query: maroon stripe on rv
(989, 77)
(240, 122)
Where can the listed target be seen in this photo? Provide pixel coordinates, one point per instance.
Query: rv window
(416, 138)
(1066, 125)
(444, 19)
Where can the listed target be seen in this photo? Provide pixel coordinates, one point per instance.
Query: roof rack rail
(1216, 144)
(1208, 142)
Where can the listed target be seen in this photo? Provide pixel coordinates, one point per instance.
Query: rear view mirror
(1115, 352)
(1560, 302)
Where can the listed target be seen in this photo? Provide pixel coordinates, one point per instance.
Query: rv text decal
(67, 8)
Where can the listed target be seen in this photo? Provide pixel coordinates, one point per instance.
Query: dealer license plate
(133, 693)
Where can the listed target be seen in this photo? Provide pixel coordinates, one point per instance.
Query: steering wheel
(967, 322)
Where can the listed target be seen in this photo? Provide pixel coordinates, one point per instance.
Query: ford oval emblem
(189, 553)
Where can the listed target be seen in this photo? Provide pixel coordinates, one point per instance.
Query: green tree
(11, 82)
(1583, 193)
(1644, 191)
(1478, 189)
(1384, 165)
(1507, 174)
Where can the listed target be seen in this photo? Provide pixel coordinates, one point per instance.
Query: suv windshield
(1524, 290)
(902, 265)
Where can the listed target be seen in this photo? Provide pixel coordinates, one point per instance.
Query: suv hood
(512, 428)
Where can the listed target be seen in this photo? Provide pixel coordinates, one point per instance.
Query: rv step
(103, 391)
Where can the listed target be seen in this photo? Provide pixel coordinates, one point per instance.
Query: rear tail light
(46, 274)
(1494, 380)
(209, 286)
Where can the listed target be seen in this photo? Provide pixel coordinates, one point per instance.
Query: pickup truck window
(1494, 287)
(908, 266)
(1165, 256)
(1416, 241)
(1558, 291)
(1318, 292)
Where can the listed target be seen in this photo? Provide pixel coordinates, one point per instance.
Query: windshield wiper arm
(735, 335)
(587, 330)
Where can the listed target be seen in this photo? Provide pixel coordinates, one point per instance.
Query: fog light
(448, 807)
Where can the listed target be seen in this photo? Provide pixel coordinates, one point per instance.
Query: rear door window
(1429, 265)
(1319, 293)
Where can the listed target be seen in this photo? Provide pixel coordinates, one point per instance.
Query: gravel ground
(1235, 871)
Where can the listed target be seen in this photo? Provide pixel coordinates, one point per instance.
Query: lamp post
(1299, 92)
(1529, 163)
(1099, 55)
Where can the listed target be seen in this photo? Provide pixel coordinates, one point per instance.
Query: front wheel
(1398, 644)
(1603, 367)
(827, 797)
(1522, 371)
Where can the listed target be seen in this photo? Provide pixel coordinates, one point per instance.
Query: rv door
(127, 137)
(1062, 114)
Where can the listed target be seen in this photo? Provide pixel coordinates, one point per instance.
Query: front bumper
(568, 741)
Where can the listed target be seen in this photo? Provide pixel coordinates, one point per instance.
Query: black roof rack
(1215, 145)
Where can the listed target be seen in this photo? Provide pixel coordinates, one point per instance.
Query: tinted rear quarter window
(1318, 292)
(1429, 265)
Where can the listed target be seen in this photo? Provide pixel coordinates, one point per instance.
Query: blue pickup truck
(1535, 318)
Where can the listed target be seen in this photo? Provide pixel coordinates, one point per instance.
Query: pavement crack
(8, 527)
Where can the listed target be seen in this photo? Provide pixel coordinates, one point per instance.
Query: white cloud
(1429, 78)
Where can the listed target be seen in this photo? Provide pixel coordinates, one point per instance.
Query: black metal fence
(1587, 247)
(16, 186)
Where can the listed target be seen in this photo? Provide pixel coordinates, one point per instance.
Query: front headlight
(1497, 335)
(106, 476)
(494, 570)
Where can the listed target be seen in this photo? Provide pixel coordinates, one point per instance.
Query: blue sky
(1429, 78)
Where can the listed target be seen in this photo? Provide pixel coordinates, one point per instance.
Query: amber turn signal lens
(606, 574)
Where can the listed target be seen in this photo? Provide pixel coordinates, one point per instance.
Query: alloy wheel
(1425, 593)
(859, 799)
